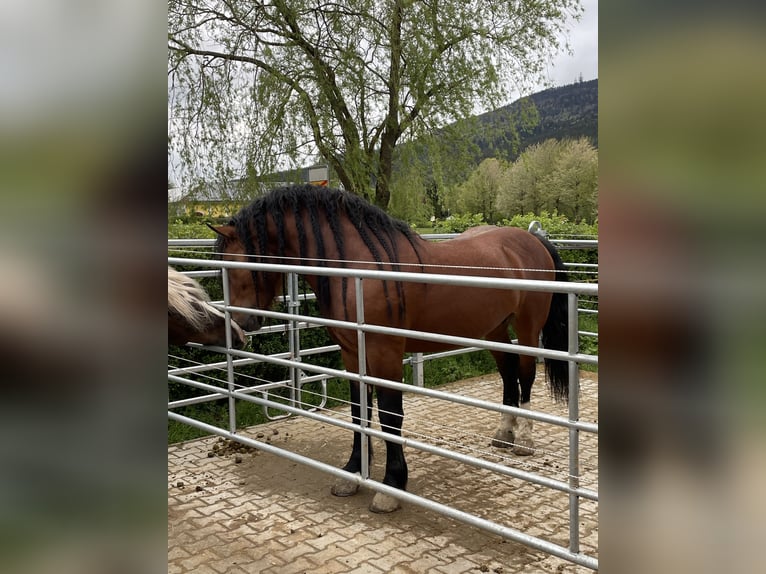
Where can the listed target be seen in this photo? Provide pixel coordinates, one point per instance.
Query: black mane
(324, 206)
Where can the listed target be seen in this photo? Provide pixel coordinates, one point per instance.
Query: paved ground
(268, 515)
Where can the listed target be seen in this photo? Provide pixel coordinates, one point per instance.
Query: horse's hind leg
(517, 372)
(523, 445)
(528, 332)
(508, 366)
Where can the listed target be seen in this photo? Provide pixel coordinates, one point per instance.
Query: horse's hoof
(503, 438)
(383, 503)
(343, 487)
(524, 447)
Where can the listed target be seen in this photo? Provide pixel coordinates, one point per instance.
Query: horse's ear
(225, 231)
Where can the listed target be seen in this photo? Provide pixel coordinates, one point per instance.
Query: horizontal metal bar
(575, 243)
(248, 361)
(573, 553)
(439, 236)
(191, 242)
(260, 388)
(203, 368)
(413, 443)
(431, 278)
(423, 335)
(571, 243)
(444, 354)
(433, 393)
(504, 531)
(564, 243)
(218, 395)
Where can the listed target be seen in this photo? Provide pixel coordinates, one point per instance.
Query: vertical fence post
(416, 361)
(229, 358)
(362, 355)
(574, 434)
(294, 338)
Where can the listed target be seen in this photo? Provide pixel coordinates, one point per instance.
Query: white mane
(189, 300)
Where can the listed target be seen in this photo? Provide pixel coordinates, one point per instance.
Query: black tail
(556, 331)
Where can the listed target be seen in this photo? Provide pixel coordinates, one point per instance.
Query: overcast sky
(583, 39)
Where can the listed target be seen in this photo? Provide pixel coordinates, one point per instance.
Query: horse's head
(191, 317)
(247, 288)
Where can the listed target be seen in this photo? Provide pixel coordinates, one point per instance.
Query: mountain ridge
(564, 112)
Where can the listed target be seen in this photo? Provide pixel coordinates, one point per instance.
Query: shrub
(458, 223)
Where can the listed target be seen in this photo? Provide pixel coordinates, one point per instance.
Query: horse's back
(495, 251)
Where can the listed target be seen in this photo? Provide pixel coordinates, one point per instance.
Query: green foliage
(290, 79)
(180, 229)
(479, 193)
(409, 197)
(439, 164)
(556, 224)
(554, 175)
(559, 227)
(449, 369)
(566, 112)
(588, 345)
(459, 223)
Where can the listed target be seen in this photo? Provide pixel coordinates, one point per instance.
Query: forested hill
(564, 112)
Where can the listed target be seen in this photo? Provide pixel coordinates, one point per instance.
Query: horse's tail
(556, 330)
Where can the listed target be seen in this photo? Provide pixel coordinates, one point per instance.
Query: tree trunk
(385, 169)
(392, 128)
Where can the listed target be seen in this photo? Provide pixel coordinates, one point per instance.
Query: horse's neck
(347, 249)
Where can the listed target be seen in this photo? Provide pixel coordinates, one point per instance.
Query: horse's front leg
(343, 487)
(391, 414)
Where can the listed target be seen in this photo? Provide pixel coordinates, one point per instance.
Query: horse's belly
(474, 322)
(420, 346)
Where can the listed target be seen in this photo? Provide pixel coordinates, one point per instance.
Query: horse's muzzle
(249, 322)
(238, 336)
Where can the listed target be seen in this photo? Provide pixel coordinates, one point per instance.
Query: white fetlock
(383, 503)
(524, 445)
(503, 438)
(343, 487)
(505, 432)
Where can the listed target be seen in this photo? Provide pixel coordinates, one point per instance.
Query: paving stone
(459, 565)
(272, 516)
(426, 563)
(327, 539)
(390, 560)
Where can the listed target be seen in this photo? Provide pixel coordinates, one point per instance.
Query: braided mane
(324, 206)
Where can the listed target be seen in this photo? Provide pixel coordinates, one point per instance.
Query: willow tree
(258, 85)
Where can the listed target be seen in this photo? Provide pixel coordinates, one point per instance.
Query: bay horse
(317, 226)
(191, 317)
